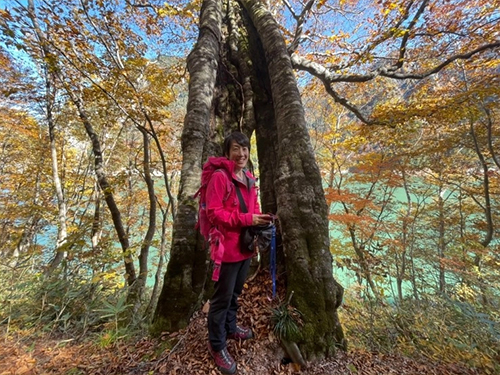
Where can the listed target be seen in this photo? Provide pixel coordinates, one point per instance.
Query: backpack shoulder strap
(243, 206)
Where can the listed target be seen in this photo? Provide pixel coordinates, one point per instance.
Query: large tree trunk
(186, 271)
(256, 91)
(302, 208)
(246, 54)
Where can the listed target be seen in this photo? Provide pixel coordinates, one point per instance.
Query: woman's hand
(261, 219)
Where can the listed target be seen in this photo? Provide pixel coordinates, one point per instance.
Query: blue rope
(273, 259)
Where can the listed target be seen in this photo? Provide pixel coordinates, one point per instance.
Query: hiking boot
(241, 333)
(223, 360)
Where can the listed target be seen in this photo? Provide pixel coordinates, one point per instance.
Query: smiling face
(238, 154)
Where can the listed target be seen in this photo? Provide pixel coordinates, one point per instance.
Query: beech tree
(241, 78)
(393, 63)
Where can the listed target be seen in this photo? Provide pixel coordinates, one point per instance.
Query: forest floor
(259, 356)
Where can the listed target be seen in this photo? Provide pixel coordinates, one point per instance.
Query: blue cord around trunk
(273, 259)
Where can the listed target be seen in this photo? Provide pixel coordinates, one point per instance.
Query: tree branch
(444, 64)
(301, 19)
(406, 36)
(350, 106)
(327, 77)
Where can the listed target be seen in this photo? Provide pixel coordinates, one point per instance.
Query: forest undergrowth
(73, 327)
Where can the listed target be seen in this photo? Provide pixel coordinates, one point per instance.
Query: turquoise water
(342, 250)
(387, 237)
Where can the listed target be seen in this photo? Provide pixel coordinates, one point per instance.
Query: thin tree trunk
(489, 126)
(365, 272)
(486, 191)
(488, 237)
(441, 240)
(159, 269)
(62, 232)
(105, 187)
(401, 269)
(136, 292)
(130, 275)
(171, 200)
(31, 227)
(96, 232)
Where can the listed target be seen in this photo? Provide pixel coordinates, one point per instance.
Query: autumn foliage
(402, 102)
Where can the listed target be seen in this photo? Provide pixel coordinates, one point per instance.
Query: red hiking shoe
(223, 360)
(241, 333)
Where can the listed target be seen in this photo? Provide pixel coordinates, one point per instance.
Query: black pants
(224, 302)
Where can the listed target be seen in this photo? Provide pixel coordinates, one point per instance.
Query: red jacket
(223, 207)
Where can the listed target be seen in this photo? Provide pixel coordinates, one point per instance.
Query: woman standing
(225, 215)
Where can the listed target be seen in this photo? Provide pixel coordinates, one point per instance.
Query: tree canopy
(376, 137)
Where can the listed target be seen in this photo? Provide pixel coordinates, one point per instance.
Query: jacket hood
(221, 162)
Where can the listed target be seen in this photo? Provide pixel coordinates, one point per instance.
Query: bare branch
(325, 74)
(301, 19)
(290, 8)
(383, 36)
(117, 58)
(133, 4)
(490, 137)
(327, 77)
(444, 64)
(406, 36)
(350, 106)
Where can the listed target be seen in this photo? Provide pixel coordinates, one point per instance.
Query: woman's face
(238, 154)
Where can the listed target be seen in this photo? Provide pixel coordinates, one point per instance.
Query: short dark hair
(239, 138)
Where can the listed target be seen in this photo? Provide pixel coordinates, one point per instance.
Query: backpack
(203, 224)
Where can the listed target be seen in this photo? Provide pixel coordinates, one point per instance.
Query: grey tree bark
(186, 271)
(302, 208)
(75, 96)
(255, 90)
(50, 94)
(136, 291)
